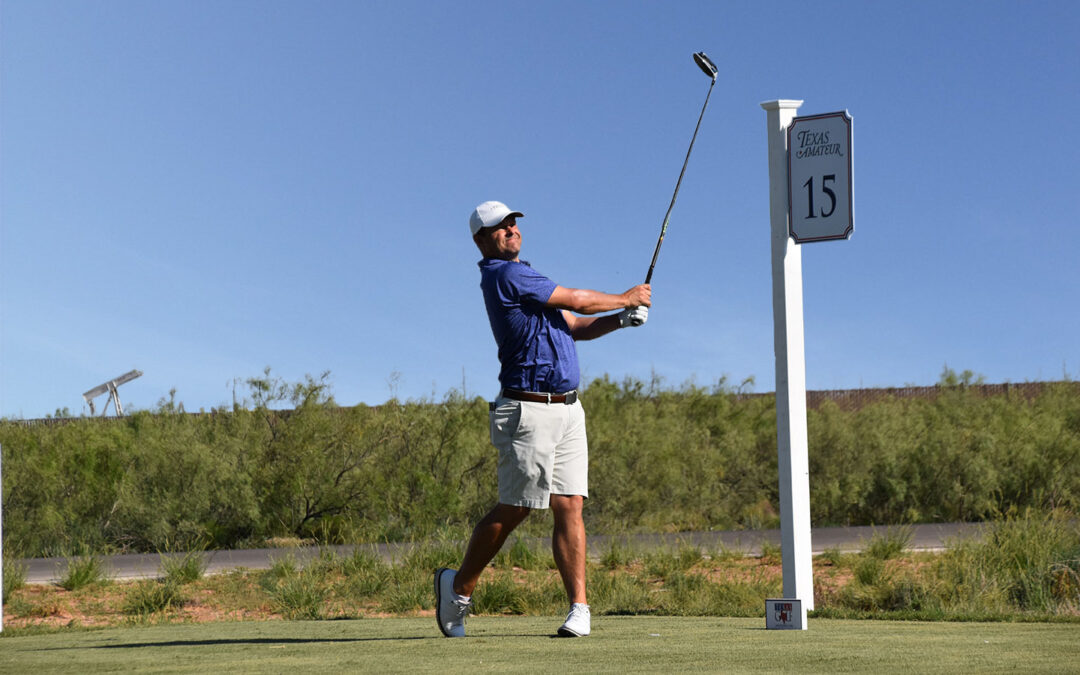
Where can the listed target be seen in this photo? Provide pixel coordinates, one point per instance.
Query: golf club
(709, 68)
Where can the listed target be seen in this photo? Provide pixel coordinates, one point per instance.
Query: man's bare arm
(590, 327)
(584, 301)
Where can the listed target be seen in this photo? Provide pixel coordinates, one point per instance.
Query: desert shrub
(525, 555)
(299, 596)
(361, 561)
(14, 578)
(189, 481)
(61, 484)
(690, 594)
(959, 457)
(833, 556)
(407, 592)
(294, 592)
(892, 543)
(665, 562)
(287, 461)
(771, 553)
(618, 592)
(499, 594)
(83, 571)
(365, 575)
(740, 599)
(151, 596)
(677, 460)
(183, 568)
(869, 570)
(618, 553)
(1029, 560)
(426, 557)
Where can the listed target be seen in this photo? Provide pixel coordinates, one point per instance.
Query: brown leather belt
(569, 398)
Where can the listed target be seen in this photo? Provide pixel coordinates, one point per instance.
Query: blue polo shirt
(536, 350)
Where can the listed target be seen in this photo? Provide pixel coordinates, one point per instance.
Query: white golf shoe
(577, 622)
(450, 609)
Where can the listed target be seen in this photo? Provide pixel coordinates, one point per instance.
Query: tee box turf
(785, 614)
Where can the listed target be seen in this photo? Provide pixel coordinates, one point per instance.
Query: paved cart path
(146, 565)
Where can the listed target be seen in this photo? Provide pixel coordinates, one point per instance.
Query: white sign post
(819, 186)
(791, 437)
(810, 199)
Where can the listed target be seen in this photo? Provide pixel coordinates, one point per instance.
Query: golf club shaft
(663, 228)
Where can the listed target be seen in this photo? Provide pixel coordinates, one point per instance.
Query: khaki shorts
(542, 451)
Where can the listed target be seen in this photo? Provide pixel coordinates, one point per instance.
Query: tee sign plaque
(819, 178)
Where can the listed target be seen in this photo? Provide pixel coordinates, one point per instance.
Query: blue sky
(202, 189)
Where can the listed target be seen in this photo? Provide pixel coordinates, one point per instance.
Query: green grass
(525, 644)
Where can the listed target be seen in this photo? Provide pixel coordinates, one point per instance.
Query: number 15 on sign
(820, 200)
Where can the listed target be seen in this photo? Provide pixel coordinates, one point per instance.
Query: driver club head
(706, 65)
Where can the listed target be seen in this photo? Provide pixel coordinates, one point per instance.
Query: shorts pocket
(505, 419)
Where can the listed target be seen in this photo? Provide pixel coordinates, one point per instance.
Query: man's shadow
(281, 641)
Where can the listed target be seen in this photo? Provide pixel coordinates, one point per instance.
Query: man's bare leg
(488, 537)
(568, 544)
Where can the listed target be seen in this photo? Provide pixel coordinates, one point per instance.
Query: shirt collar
(495, 262)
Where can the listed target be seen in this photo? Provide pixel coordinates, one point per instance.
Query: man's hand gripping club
(633, 316)
(638, 312)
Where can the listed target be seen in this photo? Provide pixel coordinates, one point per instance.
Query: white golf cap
(490, 214)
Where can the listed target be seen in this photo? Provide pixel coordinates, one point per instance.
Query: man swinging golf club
(537, 422)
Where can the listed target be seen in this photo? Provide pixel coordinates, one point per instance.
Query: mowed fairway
(525, 644)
